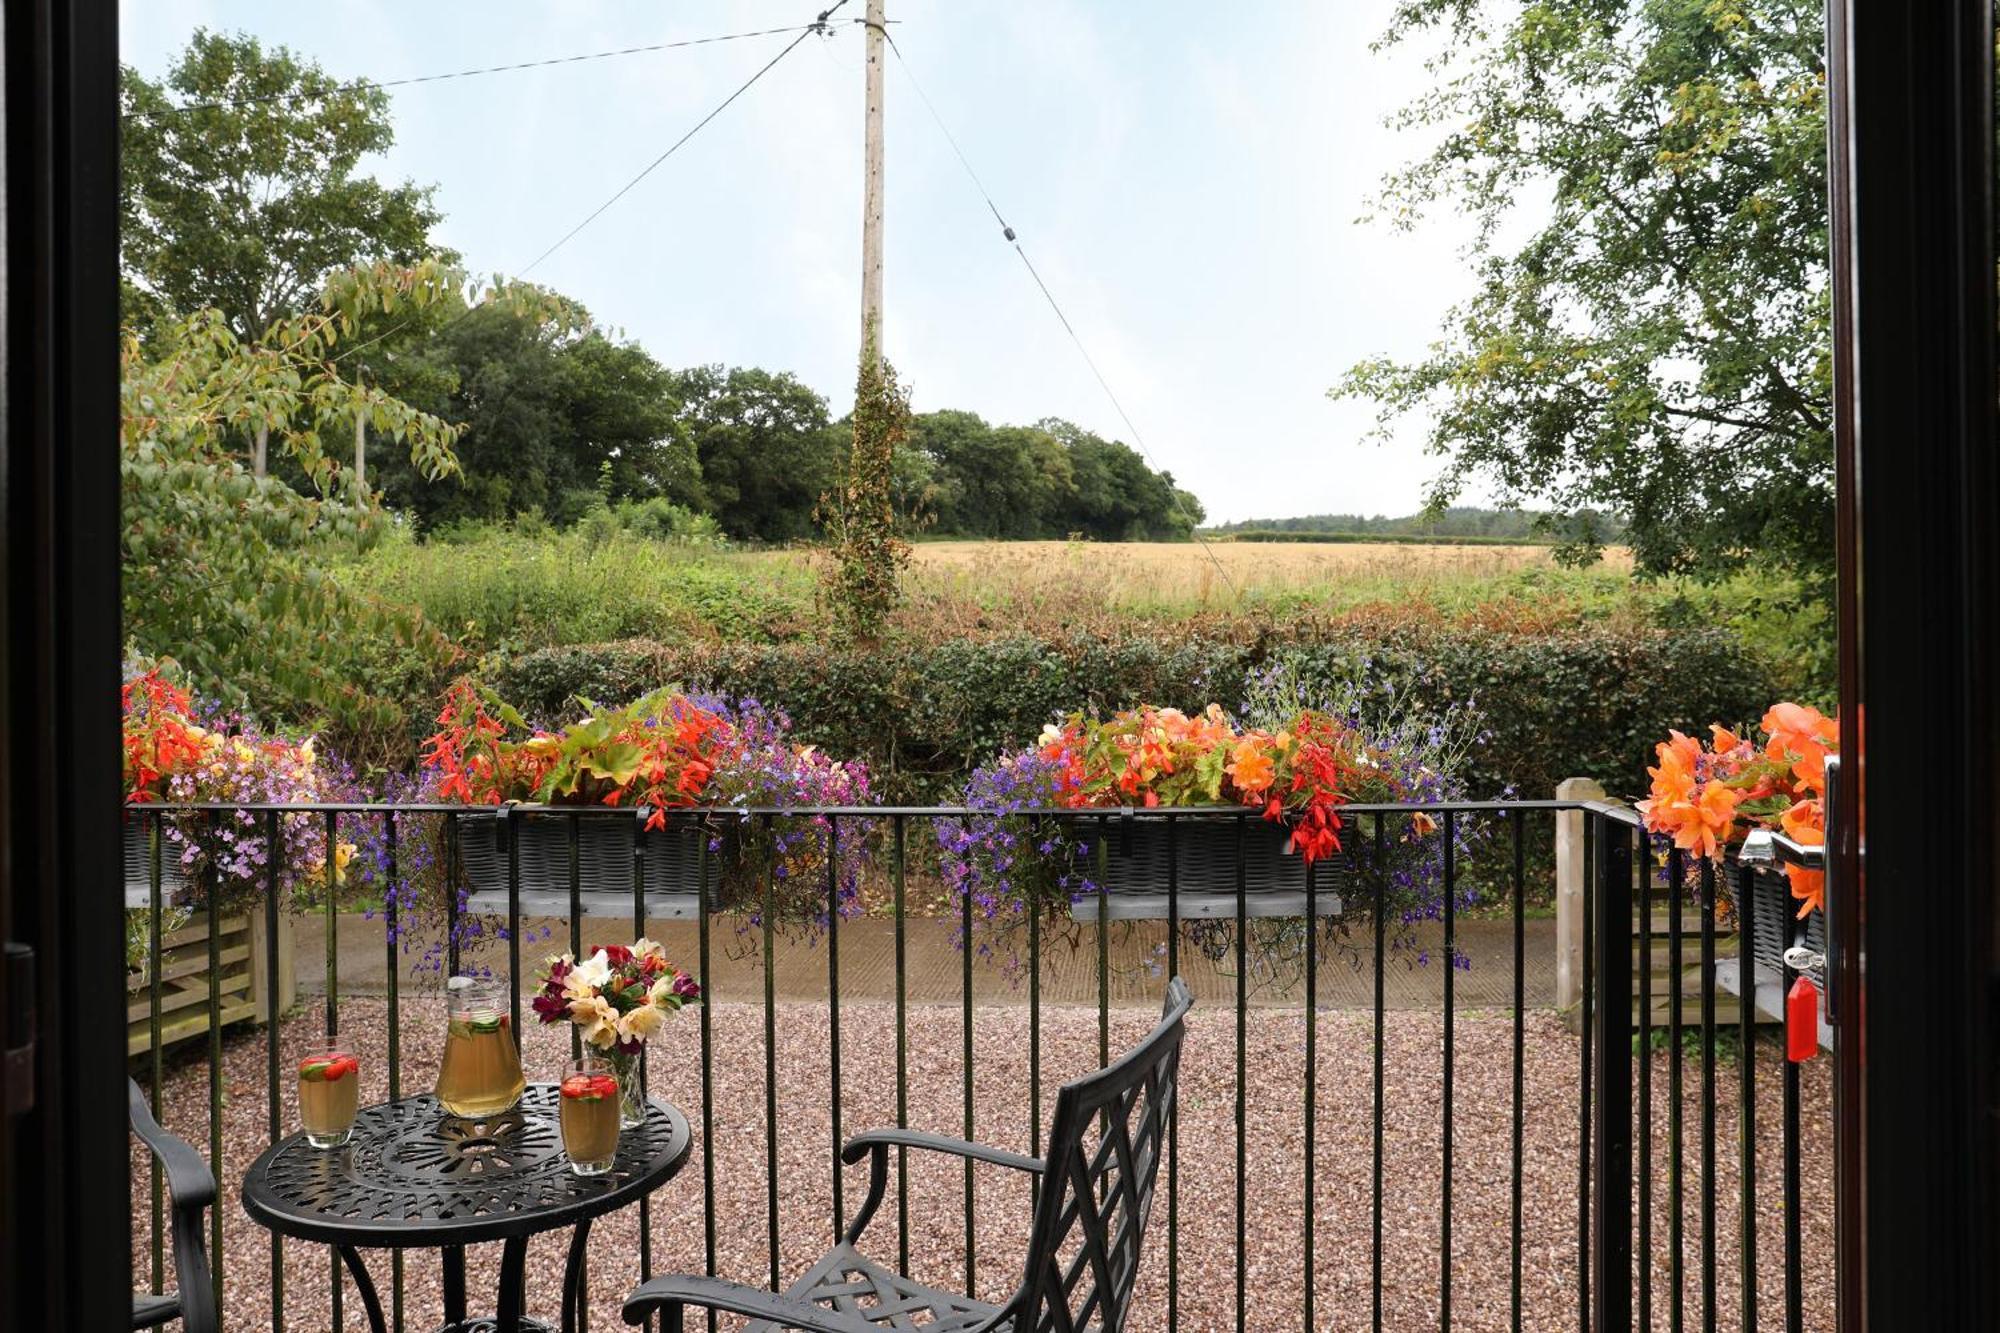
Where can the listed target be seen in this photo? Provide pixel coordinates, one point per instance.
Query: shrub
(1586, 701)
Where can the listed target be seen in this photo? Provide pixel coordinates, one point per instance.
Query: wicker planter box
(672, 859)
(1136, 869)
(1775, 925)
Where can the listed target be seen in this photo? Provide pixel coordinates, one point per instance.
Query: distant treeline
(562, 426)
(1377, 539)
(1460, 525)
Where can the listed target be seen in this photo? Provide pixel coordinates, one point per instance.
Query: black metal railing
(1621, 1175)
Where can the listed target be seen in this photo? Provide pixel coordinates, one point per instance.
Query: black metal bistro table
(413, 1177)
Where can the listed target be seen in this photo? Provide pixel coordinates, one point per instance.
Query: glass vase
(631, 1097)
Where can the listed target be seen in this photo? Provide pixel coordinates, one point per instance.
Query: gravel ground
(1273, 1222)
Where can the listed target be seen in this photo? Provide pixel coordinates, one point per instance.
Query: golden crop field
(1078, 578)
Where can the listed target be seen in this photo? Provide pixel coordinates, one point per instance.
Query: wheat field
(1190, 577)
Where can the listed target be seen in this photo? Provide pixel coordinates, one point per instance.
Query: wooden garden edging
(249, 975)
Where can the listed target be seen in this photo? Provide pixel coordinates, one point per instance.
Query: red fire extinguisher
(1802, 1021)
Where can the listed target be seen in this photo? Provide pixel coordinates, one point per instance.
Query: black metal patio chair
(1104, 1152)
(191, 1191)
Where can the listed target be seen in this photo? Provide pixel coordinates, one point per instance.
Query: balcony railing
(1413, 1159)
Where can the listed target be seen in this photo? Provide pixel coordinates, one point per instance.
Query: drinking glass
(589, 1115)
(329, 1083)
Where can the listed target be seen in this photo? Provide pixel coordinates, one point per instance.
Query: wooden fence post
(1570, 888)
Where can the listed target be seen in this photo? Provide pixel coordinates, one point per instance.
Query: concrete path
(934, 966)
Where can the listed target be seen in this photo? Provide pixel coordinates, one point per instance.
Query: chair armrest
(881, 1140)
(188, 1178)
(669, 1296)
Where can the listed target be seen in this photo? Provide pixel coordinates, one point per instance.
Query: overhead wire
(1014, 240)
(367, 85)
(817, 26)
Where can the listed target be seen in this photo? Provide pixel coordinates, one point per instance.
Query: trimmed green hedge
(1588, 701)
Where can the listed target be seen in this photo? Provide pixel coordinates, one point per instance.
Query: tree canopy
(1658, 345)
(242, 188)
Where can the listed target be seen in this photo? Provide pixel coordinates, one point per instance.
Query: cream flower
(599, 1021)
(662, 994)
(588, 977)
(640, 1023)
(643, 948)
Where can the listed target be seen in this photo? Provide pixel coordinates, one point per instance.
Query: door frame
(64, 1173)
(1915, 856)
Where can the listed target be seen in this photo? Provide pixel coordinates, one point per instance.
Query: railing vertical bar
(706, 1020)
(154, 948)
(965, 1068)
(1520, 1058)
(1746, 1139)
(1794, 1282)
(336, 1293)
(898, 868)
(1242, 1067)
(1584, 1102)
(273, 1112)
(511, 830)
(1707, 1095)
(392, 945)
(1611, 1195)
(1103, 944)
(576, 1033)
(833, 1013)
(575, 831)
(1174, 1112)
(640, 818)
(770, 1051)
(1037, 835)
(1311, 1083)
(1676, 1112)
(1381, 1051)
(211, 882)
(1645, 1072)
(453, 888)
(1450, 1060)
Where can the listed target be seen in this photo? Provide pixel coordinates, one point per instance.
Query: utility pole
(260, 451)
(360, 454)
(871, 191)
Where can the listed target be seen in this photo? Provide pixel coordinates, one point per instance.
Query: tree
(221, 568)
(558, 415)
(241, 189)
(766, 447)
(1659, 345)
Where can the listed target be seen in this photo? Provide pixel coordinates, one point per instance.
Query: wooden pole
(871, 194)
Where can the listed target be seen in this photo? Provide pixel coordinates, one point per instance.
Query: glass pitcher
(481, 1073)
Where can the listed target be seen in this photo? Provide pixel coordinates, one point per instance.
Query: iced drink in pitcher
(481, 1073)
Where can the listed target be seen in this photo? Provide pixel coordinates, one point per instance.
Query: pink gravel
(1274, 1215)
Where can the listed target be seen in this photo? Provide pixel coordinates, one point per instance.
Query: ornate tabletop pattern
(413, 1175)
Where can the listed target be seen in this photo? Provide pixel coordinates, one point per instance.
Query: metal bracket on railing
(1758, 849)
(1801, 959)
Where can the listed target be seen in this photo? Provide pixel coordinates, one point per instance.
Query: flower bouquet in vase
(617, 998)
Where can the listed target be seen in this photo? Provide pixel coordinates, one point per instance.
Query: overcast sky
(1188, 178)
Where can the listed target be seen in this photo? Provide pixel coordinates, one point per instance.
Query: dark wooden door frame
(1916, 852)
(63, 1163)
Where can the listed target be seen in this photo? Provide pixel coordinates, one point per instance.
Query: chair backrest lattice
(1104, 1151)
